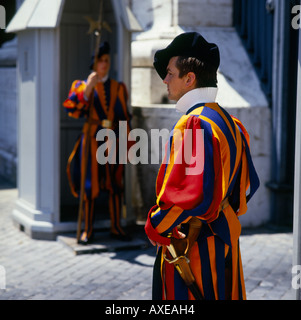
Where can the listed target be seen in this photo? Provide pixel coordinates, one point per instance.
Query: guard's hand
(153, 242)
(92, 79)
(180, 234)
(91, 83)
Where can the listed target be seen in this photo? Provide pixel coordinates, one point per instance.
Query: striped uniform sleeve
(76, 105)
(249, 180)
(186, 179)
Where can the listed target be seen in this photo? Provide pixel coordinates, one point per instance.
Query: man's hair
(204, 72)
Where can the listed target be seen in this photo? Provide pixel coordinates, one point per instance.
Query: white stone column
(297, 182)
(37, 207)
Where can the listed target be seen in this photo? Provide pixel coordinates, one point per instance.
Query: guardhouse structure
(53, 50)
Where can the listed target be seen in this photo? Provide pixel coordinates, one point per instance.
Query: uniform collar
(196, 96)
(104, 79)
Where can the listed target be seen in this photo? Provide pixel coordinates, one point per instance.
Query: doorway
(76, 49)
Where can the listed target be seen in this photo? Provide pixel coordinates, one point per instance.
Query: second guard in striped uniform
(108, 100)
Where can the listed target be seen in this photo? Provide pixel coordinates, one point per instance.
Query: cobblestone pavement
(46, 270)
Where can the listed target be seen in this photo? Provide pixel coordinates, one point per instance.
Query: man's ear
(190, 79)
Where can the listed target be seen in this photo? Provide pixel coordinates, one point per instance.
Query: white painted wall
(205, 13)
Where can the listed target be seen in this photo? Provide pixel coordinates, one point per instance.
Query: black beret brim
(189, 44)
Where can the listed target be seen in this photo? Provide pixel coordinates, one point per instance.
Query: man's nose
(165, 80)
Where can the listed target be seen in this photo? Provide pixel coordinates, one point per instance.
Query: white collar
(104, 79)
(195, 96)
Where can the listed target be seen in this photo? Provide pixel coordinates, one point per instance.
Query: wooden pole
(97, 33)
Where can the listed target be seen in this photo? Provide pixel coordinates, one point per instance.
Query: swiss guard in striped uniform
(108, 100)
(201, 189)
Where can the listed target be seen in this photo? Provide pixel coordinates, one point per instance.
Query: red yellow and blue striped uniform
(109, 102)
(227, 174)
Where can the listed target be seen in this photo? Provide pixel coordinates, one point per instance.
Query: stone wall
(205, 13)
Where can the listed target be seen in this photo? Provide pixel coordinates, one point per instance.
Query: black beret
(104, 48)
(189, 44)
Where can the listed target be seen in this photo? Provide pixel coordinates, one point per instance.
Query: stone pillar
(162, 21)
(297, 182)
(36, 209)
